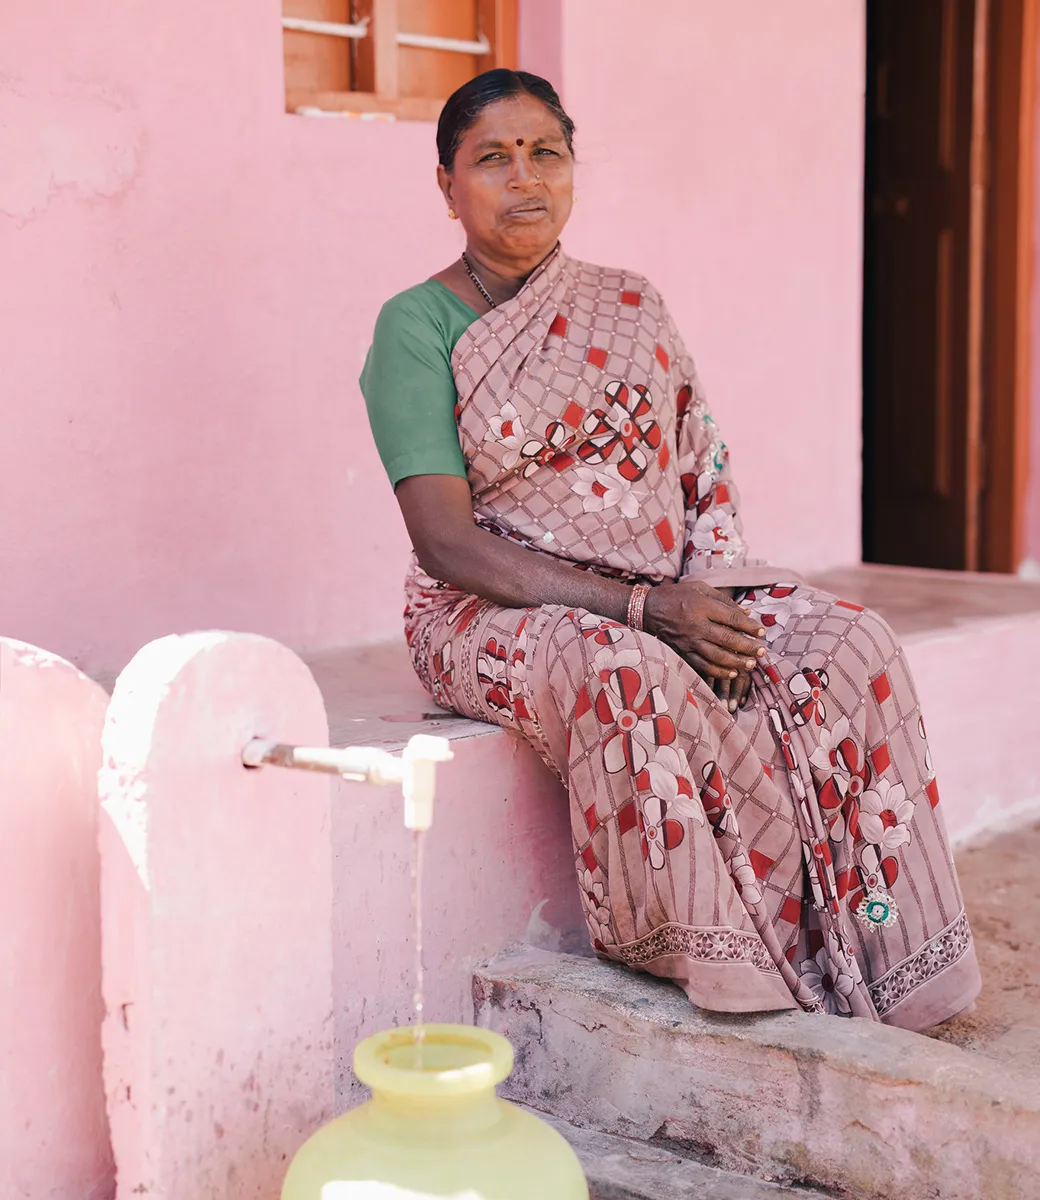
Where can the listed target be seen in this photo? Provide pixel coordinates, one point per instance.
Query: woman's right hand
(714, 634)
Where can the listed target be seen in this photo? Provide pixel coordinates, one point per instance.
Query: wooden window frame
(377, 59)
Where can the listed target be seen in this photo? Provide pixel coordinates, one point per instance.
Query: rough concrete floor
(1001, 882)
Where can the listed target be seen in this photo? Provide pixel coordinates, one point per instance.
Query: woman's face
(512, 183)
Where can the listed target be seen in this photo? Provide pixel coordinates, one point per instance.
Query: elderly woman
(753, 805)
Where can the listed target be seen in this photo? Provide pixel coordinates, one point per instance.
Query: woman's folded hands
(713, 633)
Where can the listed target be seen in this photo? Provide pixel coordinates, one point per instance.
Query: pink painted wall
(722, 155)
(191, 276)
(498, 869)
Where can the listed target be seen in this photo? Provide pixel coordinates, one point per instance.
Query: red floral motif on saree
(626, 426)
(549, 452)
(840, 759)
(491, 672)
(718, 806)
(807, 688)
(658, 833)
(636, 719)
(443, 667)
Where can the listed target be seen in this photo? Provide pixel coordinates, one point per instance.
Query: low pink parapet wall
(53, 1134)
(217, 911)
(982, 731)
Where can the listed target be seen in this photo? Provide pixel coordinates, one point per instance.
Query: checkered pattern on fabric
(570, 423)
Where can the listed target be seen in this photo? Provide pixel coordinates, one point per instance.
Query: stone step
(619, 1168)
(877, 1112)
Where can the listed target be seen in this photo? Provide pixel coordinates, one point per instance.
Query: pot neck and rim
(453, 1093)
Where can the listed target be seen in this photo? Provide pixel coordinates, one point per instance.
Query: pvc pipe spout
(415, 769)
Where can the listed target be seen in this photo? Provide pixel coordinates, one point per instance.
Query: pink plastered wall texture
(54, 1142)
(191, 277)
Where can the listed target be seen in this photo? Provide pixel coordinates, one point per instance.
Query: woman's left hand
(734, 692)
(714, 634)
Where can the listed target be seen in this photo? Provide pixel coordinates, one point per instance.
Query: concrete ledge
(918, 602)
(881, 1113)
(373, 698)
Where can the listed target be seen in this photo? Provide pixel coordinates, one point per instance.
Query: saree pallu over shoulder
(791, 854)
(586, 434)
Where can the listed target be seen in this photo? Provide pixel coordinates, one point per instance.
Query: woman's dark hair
(469, 101)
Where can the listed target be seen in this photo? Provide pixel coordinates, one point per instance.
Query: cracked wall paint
(83, 140)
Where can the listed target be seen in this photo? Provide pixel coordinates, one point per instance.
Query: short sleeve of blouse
(408, 385)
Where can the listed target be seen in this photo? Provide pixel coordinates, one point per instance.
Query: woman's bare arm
(438, 511)
(714, 635)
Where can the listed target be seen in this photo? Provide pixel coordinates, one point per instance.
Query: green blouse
(407, 382)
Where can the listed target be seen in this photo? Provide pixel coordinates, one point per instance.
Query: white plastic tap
(415, 769)
(420, 759)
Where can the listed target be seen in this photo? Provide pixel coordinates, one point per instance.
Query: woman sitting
(752, 800)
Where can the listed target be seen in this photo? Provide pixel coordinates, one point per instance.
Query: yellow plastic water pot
(435, 1130)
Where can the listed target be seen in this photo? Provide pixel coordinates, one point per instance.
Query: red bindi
(519, 141)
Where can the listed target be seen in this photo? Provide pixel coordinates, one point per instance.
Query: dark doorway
(947, 246)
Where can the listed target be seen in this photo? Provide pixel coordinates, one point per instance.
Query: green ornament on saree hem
(877, 911)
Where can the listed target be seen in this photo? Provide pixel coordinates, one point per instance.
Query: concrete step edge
(618, 1168)
(876, 1111)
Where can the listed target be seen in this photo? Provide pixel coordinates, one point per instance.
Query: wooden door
(1008, 284)
(920, 478)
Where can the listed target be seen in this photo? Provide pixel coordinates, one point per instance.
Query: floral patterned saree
(791, 854)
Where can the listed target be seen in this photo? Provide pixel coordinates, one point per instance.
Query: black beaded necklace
(476, 282)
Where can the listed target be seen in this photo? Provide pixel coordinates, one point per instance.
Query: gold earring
(452, 215)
